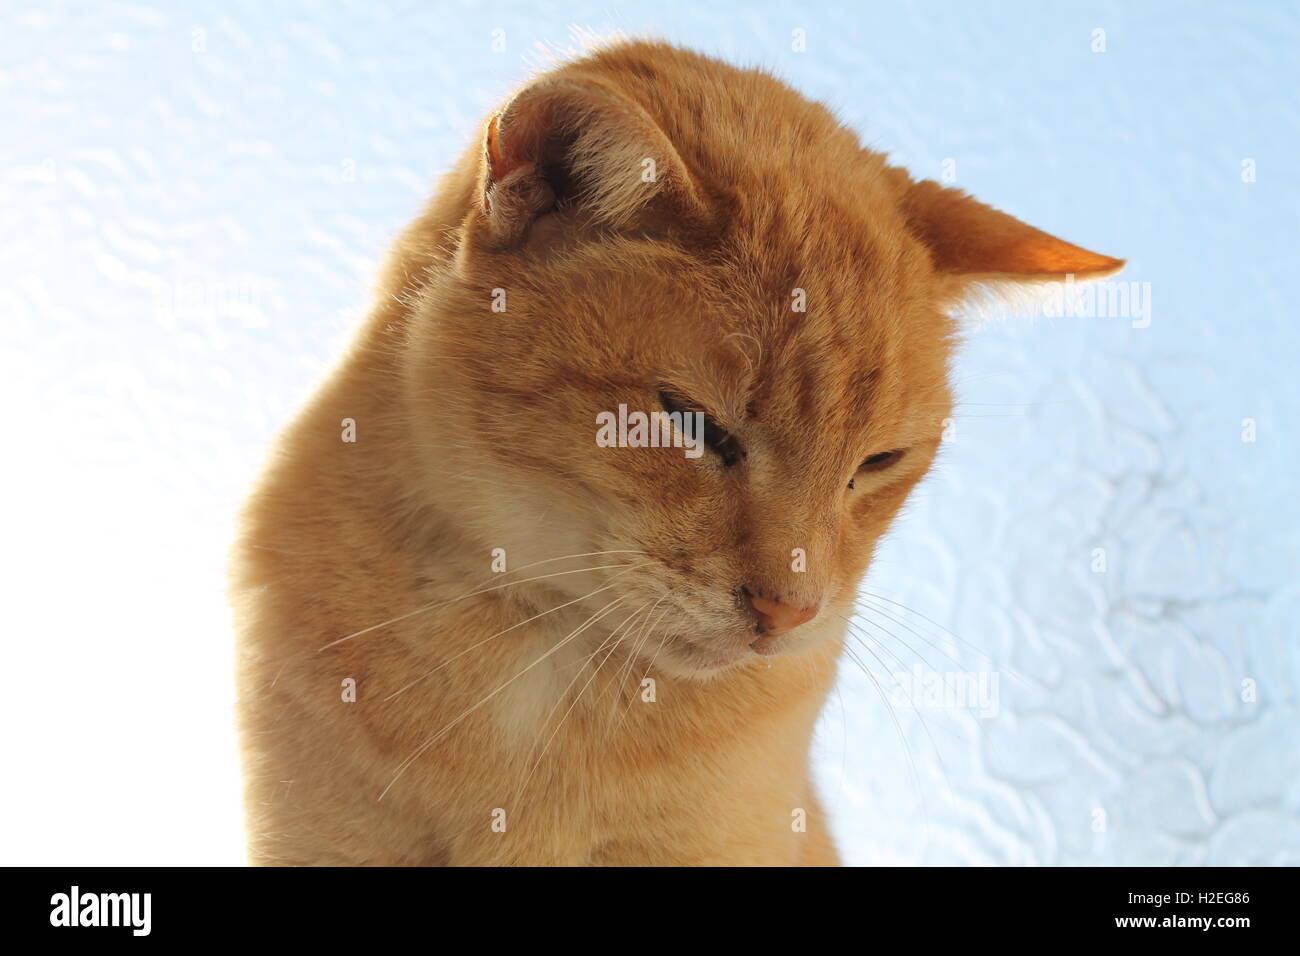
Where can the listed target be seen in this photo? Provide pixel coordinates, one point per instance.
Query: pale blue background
(193, 201)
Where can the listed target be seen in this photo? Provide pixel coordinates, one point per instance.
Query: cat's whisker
(879, 612)
(662, 642)
(862, 635)
(863, 611)
(960, 404)
(649, 667)
(406, 764)
(862, 638)
(844, 737)
(751, 361)
(644, 635)
(438, 604)
(974, 648)
(479, 644)
(566, 557)
(612, 640)
(967, 416)
(898, 727)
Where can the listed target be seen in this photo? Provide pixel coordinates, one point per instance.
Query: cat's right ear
(569, 143)
(970, 241)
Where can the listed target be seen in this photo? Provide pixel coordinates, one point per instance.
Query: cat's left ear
(970, 240)
(573, 142)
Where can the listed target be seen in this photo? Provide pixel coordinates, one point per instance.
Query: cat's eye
(880, 460)
(716, 438)
(877, 462)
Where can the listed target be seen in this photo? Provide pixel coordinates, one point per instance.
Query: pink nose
(776, 616)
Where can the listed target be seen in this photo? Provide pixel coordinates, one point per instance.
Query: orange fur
(481, 693)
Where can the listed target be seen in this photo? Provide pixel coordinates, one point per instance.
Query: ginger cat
(470, 632)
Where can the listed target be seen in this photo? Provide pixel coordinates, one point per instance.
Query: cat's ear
(970, 240)
(566, 142)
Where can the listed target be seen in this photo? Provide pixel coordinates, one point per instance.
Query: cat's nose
(776, 616)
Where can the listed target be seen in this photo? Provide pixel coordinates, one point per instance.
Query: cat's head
(649, 230)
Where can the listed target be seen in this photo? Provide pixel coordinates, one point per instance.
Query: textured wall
(194, 197)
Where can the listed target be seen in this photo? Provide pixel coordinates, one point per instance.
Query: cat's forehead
(838, 343)
(843, 308)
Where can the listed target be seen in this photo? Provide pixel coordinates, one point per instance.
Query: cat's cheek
(869, 516)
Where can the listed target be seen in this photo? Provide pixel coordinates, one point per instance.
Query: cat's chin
(685, 659)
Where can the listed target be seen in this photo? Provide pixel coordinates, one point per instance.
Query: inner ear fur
(576, 142)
